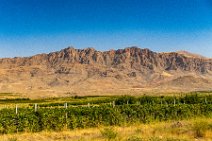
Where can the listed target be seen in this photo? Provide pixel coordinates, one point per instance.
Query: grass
(109, 133)
(185, 130)
(7, 101)
(49, 102)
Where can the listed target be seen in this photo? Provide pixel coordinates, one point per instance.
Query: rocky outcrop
(130, 67)
(129, 58)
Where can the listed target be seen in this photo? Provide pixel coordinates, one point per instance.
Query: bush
(13, 139)
(125, 100)
(199, 129)
(109, 133)
(134, 138)
(59, 118)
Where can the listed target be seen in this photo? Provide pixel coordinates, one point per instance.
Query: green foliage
(125, 100)
(134, 138)
(199, 129)
(165, 139)
(19, 100)
(80, 101)
(149, 109)
(13, 139)
(109, 133)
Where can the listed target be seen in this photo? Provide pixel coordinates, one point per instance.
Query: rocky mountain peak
(129, 67)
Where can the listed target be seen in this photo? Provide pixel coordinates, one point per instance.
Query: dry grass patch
(186, 130)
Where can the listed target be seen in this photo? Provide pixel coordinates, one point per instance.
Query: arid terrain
(91, 72)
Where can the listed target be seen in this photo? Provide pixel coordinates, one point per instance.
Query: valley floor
(185, 130)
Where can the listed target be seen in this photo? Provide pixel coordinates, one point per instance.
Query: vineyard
(85, 112)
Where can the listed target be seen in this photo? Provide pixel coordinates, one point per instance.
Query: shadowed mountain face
(88, 70)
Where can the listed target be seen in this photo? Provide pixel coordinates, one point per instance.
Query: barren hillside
(88, 71)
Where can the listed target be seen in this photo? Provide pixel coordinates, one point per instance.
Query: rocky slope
(88, 71)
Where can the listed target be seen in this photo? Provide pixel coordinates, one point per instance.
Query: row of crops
(84, 100)
(127, 110)
(121, 100)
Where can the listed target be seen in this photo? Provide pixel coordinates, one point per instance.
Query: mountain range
(90, 72)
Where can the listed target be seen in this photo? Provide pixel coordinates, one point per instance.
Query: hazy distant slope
(189, 54)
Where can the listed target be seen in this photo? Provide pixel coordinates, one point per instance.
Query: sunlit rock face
(131, 67)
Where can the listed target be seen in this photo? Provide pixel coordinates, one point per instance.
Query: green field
(87, 112)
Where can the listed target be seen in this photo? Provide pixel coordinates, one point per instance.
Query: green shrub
(109, 133)
(58, 118)
(199, 129)
(134, 138)
(125, 100)
(12, 139)
(155, 139)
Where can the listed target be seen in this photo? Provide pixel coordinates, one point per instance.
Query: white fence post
(36, 107)
(113, 104)
(66, 105)
(206, 102)
(16, 109)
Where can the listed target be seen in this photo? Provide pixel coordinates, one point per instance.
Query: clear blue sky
(29, 27)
